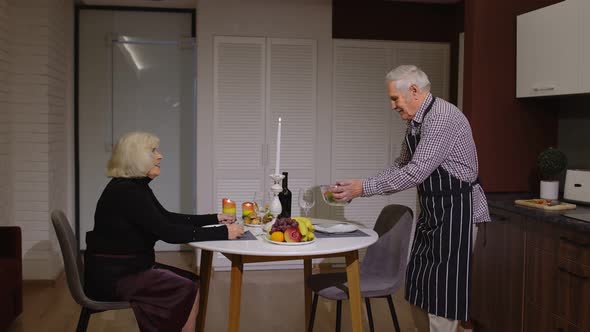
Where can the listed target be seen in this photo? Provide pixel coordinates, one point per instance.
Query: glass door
(153, 90)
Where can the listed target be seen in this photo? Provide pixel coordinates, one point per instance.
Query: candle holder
(275, 205)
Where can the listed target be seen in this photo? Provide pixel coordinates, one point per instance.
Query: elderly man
(439, 157)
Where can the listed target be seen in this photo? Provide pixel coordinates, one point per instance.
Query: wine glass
(306, 199)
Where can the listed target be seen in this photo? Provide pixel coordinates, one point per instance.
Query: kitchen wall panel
(509, 133)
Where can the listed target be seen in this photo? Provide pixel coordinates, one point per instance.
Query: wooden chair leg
(83, 320)
(314, 306)
(370, 314)
(393, 314)
(338, 315)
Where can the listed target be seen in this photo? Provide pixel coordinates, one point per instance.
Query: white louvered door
(291, 95)
(366, 135)
(239, 118)
(256, 81)
(360, 122)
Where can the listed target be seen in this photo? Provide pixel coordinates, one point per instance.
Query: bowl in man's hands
(328, 195)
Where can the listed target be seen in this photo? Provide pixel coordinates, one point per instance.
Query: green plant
(551, 162)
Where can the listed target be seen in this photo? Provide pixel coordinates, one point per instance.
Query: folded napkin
(357, 233)
(248, 236)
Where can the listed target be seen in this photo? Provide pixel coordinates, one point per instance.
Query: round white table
(240, 252)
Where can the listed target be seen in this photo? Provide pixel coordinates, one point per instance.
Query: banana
(306, 228)
(302, 228)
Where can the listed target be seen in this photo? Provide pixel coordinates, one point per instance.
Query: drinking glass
(306, 199)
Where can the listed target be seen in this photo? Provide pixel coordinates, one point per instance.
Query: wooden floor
(271, 301)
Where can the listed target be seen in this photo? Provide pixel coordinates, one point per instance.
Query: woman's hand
(225, 218)
(234, 231)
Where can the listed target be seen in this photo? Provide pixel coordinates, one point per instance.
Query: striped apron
(439, 270)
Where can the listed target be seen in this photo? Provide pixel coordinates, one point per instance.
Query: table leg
(306, 275)
(235, 292)
(354, 290)
(204, 277)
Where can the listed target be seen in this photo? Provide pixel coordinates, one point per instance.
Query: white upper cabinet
(549, 53)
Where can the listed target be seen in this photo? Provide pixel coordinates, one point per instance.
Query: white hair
(133, 156)
(406, 75)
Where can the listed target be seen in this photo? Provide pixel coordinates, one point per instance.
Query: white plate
(338, 228)
(288, 243)
(253, 225)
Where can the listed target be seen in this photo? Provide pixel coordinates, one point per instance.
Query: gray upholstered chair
(382, 270)
(75, 272)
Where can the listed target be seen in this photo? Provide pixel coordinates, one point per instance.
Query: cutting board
(542, 204)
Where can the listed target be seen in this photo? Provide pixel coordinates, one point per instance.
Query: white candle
(278, 161)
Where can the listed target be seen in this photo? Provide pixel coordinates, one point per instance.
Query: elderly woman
(120, 262)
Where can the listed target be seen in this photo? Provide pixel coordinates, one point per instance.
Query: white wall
(36, 135)
(308, 19)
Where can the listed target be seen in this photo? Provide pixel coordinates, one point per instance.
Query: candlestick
(278, 156)
(275, 205)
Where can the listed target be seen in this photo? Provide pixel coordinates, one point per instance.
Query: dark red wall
(386, 20)
(509, 133)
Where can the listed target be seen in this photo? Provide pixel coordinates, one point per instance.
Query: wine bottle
(285, 198)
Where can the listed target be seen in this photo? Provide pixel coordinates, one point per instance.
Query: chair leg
(314, 306)
(83, 320)
(393, 314)
(338, 315)
(369, 314)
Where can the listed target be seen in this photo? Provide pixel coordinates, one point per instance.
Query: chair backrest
(72, 259)
(388, 256)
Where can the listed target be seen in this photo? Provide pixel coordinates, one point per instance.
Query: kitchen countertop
(505, 201)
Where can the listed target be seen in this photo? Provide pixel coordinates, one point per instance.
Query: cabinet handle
(549, 88)
(572, 242)
(573, 274)
(498, 217)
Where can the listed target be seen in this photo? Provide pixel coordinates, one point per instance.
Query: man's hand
(234, 231)
(225, 218)
(348, 189)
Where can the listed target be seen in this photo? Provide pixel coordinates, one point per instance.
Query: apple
(292, 234)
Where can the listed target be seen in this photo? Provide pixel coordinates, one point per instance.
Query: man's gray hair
(406, 75)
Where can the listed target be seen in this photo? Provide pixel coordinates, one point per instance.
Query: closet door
(239, 118)
(256, 81)
(361, 122)
(367, 135)
(434, 60)
(291, 95)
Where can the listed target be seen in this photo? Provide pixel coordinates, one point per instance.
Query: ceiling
(192, 3)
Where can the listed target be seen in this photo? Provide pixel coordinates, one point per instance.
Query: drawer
(573, 293)
(559, 240)
(538, 320)
(559, 286)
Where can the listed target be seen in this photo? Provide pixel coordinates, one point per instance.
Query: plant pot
(549, 189)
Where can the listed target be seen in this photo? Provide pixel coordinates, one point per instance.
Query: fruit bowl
(327, 195)
(290, 231)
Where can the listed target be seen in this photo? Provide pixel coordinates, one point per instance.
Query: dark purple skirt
(161, 297)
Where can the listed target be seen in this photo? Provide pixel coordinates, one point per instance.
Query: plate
(288, 243)
(254, 225)
(338, 228)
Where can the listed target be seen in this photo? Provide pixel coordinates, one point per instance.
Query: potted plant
(551, 162)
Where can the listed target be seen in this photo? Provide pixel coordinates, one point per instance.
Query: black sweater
(129, 220)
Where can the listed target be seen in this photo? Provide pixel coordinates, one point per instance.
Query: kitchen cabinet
(530, 275)
(548, 51)
(498, 273)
